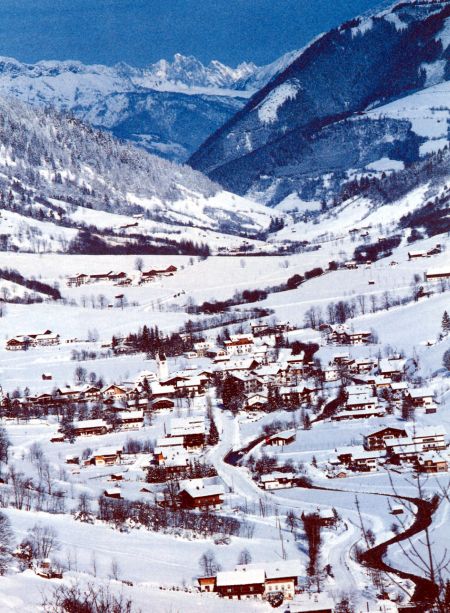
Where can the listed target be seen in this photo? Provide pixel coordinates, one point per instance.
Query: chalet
(416, 255)
(95, 278)
(430, 438)
(432, 462)
(341, 334)
(77, 280)
(190, 387)
(241, 584)
(158, 391)
(360, 460)
(438, 273)
(239, 345)
(281, 576)
(421, 397)
(377, 440)
(277, 480)
(150, 275)
(106, 456)
(365, 461)
(359, 390)
(113, 492)
(130, 420)
(116, 392)
(328, 518)
(25, 341)
(256, 402)
(269, 329)
(281, 438)
(363, 365)
(359, 414)
(250, 381)
(91, 427)
(255, 580)
(198, 494)
(176, 463)
(47, 376)
(361, 402)
(227, 366)
(391, 368)
(162, 403)
(351, 265)
(278, 374)
(297, 394)
(191, 429)
(201, 347)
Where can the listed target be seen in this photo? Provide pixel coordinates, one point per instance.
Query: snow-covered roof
(90, 423)
(124, 415)
(275, 570)
(276, 475)
(420, 392)
(358, 389)
(111, 450)
(361, 399)
(170, 441)
(240, 577)
(197, 488)
(287, 434)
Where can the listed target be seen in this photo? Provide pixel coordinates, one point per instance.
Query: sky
(141, 32)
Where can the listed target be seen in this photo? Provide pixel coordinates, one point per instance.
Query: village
(232, 423)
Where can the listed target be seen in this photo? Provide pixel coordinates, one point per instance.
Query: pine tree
(445, 323)
(213, 437)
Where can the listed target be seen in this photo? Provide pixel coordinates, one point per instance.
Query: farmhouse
(277, 480)
(432, 462)
(191, 429)
(239, 345)
(77, 280)
(106, 456)
(24, 341)
(438, 273)
(255, 580)
(377, 440)
(91, 427)
(196, 493)
(281, 438)
(130, 420)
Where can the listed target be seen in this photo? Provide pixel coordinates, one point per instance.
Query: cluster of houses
(378, 385)
(342, 334)
(418, 255)
(424, 449)
(185, 437)
(119, 278)
(26, 341)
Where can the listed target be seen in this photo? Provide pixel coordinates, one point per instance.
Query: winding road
(229, 452)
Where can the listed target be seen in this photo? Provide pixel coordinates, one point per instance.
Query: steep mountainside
(168, 108)
(366, 97)
(64, 176)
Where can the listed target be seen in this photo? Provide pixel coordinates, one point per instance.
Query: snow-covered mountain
(169, 108)
(59, 176)
(367, 97)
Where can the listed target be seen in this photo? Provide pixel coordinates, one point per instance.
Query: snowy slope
(169, 108)
(53, 168)
(373, 89)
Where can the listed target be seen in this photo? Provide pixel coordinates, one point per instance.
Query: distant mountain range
(169, 108)
(368, 97)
